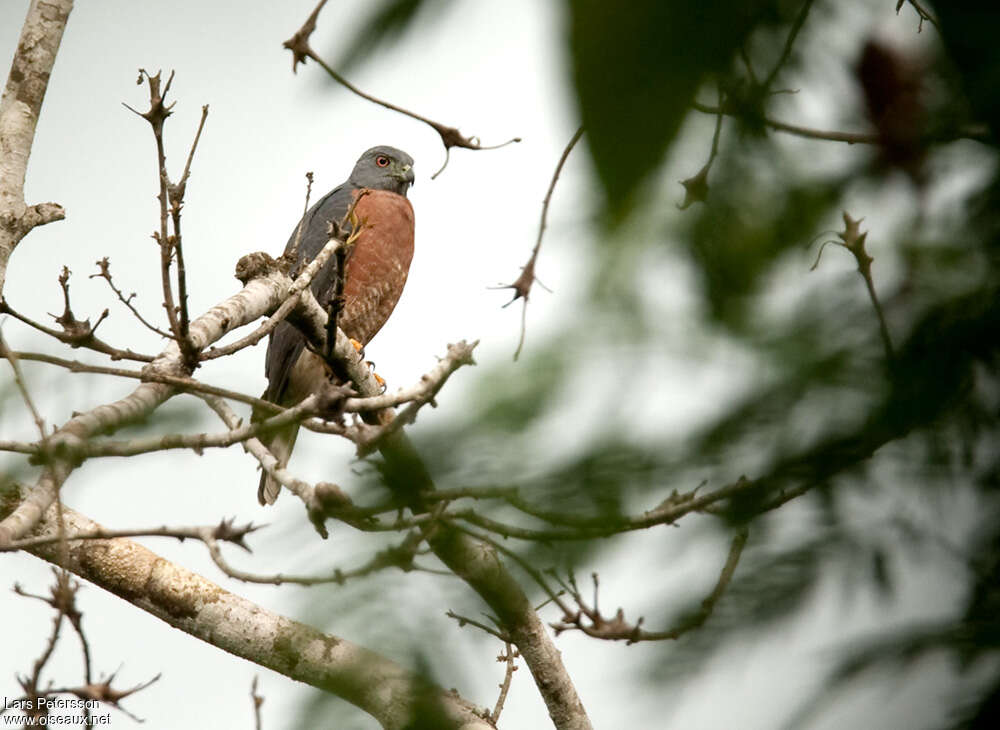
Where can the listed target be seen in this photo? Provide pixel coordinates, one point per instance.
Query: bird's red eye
(382, 161)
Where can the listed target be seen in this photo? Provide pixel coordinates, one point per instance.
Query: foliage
(830, 409)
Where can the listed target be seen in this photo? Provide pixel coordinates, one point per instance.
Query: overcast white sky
(493, 72)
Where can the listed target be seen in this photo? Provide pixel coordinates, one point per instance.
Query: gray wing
(286, 343)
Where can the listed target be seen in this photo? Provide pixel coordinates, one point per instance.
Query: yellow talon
(357, 345)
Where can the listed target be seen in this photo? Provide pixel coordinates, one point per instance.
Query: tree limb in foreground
(196, 606)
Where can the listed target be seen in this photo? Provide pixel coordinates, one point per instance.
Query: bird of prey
(375, 272)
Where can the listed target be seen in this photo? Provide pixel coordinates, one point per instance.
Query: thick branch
(19, 110)
(191, 603)
(481, 567)
(476, 563)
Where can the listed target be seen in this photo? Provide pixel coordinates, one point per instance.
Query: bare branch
(696, 187)
(475, 563)
(181, 383)
(189, 602)
(81, 334)
(853, 239)
(417, 396)
(316, 500)
(398, 556)
(225, 531)
(171, 200)
(103, 692)
(199, 441)
(522, 285)
(257, 701)
(973, 132)
(589, 620)
(20, 107)
(921, 12)
(298, 44)
(11, 357)
(32, 684)
(293, 255)
(507, 657)
(793, 33)
(262, 294)
(176, 194)
(463, 621)
(156, 115)
(105, 273)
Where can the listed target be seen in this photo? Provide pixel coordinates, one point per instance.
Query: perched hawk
(376, 270)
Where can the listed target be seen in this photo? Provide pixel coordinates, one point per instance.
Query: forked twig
(298, 44)
(522, 285)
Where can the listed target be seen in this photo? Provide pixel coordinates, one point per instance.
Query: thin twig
(465, 620)
(800, 19)
(293, 254)
(105, 273)
(848, 137)
(459, 354)
(257, 701)
(194, 145)
(156, 115)
(853, 239)
(11, 357)
(974, 132)
(696, 187)
(507, 657)
(80, 336)
(589, 620)
(189, 385)
(50, 645)
(921, 12)
(398, 556)
(200, 441)
(176, 193)
(522, 285)
(298, 44)
(226, 530)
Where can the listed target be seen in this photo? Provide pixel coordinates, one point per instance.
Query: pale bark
(19, 110)
(259, 297)
(196, 606)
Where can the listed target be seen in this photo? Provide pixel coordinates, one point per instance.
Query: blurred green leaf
(636, 69)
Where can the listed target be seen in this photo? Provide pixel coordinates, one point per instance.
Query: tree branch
(19, 109)
(476, 563)
(298, 44)
(104, 266)
(974, 132)
(262, 294)
(522, 285)
(189, 602)
(589, 620)
(76, 334)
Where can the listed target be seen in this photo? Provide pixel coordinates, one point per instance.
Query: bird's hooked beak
(404, 173)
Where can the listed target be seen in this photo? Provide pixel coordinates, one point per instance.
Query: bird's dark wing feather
(286, 343)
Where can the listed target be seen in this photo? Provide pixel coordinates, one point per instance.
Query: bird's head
(384, 168)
